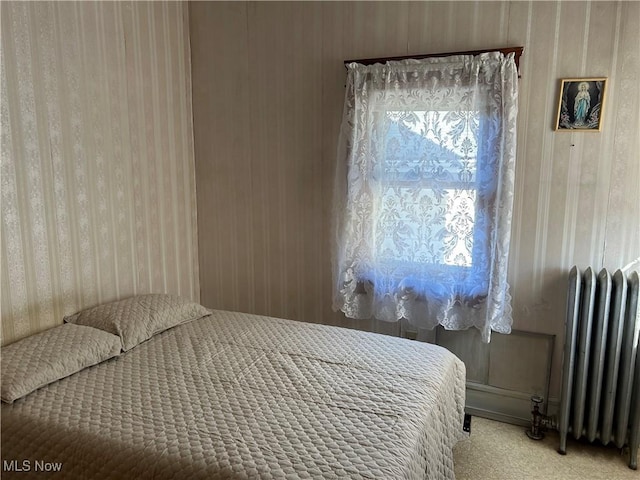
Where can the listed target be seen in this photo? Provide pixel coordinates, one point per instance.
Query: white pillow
(41, 359)
(139, 318)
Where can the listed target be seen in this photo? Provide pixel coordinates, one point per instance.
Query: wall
(268, 86)
(98, 187)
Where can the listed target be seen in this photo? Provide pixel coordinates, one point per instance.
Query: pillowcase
(139, 318)
(41, 359)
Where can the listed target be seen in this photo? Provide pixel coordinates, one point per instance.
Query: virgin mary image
(580, 104)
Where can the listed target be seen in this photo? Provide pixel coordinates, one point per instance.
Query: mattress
(240, 396)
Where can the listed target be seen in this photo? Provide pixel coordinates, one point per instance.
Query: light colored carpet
(498, 451)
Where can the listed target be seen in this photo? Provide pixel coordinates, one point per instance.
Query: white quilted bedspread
(241, 396)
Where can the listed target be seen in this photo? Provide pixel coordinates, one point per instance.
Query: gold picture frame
(581, 104)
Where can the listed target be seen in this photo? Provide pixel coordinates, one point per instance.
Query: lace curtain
(424, 192)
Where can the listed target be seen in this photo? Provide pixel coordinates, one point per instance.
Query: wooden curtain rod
(370, 61)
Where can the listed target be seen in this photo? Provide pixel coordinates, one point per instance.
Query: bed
(234, 395)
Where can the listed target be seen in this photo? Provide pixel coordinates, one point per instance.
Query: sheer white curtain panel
(424, 192)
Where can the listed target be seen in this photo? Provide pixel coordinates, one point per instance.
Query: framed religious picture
(581, 104)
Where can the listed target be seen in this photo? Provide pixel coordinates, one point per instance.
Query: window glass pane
(427, 209)
(431, 145)
(423, 225)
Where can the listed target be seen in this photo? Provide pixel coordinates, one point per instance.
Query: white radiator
(600, 397)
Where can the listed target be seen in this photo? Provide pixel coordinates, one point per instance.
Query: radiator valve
(538, 419)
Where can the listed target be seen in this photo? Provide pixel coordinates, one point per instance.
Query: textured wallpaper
(98, 188)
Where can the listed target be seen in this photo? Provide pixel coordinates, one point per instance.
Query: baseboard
(506, 406)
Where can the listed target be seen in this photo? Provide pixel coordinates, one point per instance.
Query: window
(424, 202)
(429, 211)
